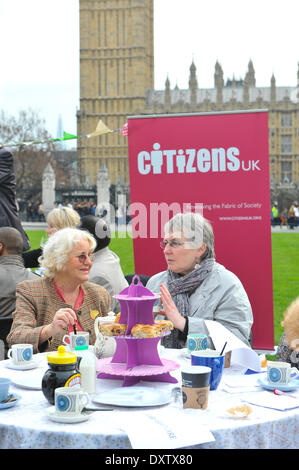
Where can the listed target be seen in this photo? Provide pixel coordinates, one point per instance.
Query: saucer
(10, 403)
(61, 418)
(31, 365)
(292, 385)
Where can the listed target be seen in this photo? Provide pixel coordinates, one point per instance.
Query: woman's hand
(62, 318)
(171, 310)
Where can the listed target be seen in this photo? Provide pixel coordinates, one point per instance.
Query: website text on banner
(217, 163)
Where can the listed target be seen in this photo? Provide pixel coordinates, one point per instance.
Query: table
(27, 426)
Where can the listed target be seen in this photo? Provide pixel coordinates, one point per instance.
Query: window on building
(286, 144)
(286, 120)
(286, 172)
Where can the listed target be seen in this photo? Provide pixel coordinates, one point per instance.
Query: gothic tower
(116, 70)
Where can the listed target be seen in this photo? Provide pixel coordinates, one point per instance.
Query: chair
(143, 278)
(5, 325)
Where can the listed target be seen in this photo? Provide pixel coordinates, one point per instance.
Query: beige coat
(37, 302)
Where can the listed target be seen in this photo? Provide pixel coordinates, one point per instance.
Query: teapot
(104, 346)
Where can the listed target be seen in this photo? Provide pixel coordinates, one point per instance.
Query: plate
(132, 397)
(31, 383)
(59, 418)
(284, 388)
(31, 365)
(10, 403)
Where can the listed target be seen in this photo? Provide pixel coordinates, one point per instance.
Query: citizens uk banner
(216, 164)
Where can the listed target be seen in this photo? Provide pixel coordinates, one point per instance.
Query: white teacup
(280, 373)
(70, 401)
(80, 339)
(20, 353)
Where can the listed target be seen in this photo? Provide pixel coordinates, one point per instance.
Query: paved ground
(43, 225)
(284, 229)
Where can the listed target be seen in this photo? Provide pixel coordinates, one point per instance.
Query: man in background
(9, 215)
(12, 269)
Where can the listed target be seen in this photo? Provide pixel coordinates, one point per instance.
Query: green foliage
(285, 250)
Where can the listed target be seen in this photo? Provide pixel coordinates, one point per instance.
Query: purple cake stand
(136, 359)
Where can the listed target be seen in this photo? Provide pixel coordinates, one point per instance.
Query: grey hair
(196, 229)
(58, 247)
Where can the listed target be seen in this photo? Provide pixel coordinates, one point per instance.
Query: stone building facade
(116, 70)
(117, 80)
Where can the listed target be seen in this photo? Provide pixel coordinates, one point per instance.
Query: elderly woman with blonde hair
(48, 307)
(57, 219)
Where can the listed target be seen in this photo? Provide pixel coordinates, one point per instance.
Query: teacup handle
(63, 339)
(84, 399)
(96, 325)
(294, 372)
(9, 354)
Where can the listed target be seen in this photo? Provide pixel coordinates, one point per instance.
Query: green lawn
(285, 256)
(122, 246)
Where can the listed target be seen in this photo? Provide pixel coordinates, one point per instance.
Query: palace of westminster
(117, 81)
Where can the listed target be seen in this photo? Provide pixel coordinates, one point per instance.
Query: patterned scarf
(180, 288)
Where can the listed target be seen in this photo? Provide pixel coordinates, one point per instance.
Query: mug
(195, 386)
(70, 401)
(80, 339)
(196, 342)
(20, 353)
(212, 359)
(280, 373)
(4, 387)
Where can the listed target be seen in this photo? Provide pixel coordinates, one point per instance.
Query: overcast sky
(39, 49)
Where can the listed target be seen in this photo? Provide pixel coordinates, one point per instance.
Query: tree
(29, 161)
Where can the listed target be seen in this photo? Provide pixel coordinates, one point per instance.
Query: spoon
(8, 399)
(280, 392)
(97, 409)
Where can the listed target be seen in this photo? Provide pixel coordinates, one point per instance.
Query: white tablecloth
(27, 425)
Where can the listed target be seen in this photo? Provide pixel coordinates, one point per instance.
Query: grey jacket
(106, 272)
(221, 297)
(12, 271)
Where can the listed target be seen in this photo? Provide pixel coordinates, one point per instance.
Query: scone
(141, 330)
(117, 318)
(166, 325)
(112, 329)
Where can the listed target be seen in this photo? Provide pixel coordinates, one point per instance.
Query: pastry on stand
(136, 358)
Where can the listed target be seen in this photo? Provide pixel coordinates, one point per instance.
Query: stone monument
(103, 195)
(48, 189)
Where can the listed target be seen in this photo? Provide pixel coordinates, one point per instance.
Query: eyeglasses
(173, 244)
(83, 258)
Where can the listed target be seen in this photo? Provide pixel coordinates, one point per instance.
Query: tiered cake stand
(136, 359)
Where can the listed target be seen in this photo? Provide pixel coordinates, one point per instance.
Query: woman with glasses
(49, 307)
(195, 287)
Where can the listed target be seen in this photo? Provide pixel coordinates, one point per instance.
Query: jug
(104, 346)
(63, 372)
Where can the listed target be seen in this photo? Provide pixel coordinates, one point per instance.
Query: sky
(39, 49)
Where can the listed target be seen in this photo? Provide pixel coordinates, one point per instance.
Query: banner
(218, 163)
